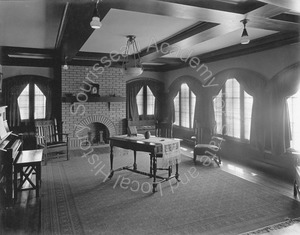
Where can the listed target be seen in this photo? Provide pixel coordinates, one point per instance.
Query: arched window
(32, 103)
(145, 102)
(294, 114)
(233, 109)
(184, 104)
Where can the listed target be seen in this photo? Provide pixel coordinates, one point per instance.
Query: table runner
(170, 150)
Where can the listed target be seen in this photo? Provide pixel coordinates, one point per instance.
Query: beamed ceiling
(44, 32)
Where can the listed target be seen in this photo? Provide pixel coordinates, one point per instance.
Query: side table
(29, 162)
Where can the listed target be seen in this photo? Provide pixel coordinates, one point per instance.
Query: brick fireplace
(80, 118)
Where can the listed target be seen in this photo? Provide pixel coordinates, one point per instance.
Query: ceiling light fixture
(66, 67)
(131, 65)
(245, 38)
(95, 22)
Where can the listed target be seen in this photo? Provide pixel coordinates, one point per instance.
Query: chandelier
(131, 65)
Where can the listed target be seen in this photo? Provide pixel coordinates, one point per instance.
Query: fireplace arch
(100, 119)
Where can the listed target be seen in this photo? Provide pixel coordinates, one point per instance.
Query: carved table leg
(177, 174)
(154, 160)
(111, 162)
(134, 163)
(151, 167)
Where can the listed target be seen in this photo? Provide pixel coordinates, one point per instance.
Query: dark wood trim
(57, 93)
(261, 44)
(62, 27)
(28, 62)
(239, 7)
(287, 4)
(77, 29)
(24, 50)
(188, 37)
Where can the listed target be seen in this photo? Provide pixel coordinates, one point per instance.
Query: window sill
(233, 139)
(293, 151)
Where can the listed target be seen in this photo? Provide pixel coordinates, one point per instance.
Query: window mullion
(145, 101)
(31, 101)
(180, 108)
(242, 117)
(224, 129)
(190, 105)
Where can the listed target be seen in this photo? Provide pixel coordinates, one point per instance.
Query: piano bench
(28, 163)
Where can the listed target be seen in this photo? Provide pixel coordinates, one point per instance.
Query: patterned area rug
(77, 199)
(288, 227)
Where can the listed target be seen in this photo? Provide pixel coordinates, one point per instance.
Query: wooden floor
(281, 184)
(25, 216)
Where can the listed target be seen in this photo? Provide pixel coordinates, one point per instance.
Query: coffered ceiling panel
(148, 28)
(30, 24)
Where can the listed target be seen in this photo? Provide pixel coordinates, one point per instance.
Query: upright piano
(10, 148)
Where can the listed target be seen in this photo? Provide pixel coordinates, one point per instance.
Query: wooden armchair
(297, 175)
(48, 138)
(209, 150)
(164, 129)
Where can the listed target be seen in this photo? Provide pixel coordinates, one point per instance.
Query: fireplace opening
(98, 134)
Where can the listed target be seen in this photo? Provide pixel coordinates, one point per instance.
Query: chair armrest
(39, 137)
(218, 138)
(42, 139)
(210, 146)
(193, 137)
(66, 136)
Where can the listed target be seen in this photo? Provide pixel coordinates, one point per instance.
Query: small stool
(29, 162)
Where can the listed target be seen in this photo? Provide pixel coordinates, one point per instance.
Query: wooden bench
(143, 125)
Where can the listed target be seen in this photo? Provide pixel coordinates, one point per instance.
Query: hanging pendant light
(95, 22)
(131, 65)
(245, 37)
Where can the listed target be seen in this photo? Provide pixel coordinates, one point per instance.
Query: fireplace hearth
(98, 134)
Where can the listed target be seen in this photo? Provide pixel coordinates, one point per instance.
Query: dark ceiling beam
(26, 50)
(79, 61)
(206, 35)
(258, 45)
(77, 29)
(28, 62)
(266, 11)
(62, 27)
(236, 7)
(184, 39)
(272, 24)
(287, 4)
(21, 56)
(261, 18)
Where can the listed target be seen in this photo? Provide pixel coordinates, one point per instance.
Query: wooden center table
(165, 148)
